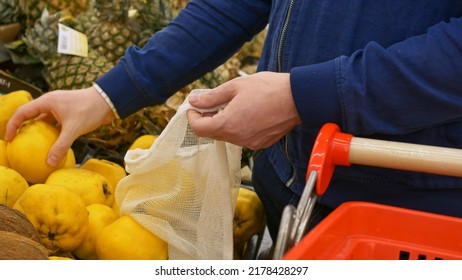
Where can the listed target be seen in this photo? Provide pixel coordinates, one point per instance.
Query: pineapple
(109, 28)
(9, 11)
(250, 53)
(177, 5)
(33, 8)
(87, 19)
(160, 115)
(62, 71)
(152, 15)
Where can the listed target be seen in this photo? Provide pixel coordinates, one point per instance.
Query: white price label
(71, 41)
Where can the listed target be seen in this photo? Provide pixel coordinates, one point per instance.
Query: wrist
(108, 101)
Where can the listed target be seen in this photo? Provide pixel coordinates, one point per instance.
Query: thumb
(209, 98)
(59, 150)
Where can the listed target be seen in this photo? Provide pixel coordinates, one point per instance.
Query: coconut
(19, 247)
(14, 221)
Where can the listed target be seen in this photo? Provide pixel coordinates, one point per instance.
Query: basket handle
(333, 147)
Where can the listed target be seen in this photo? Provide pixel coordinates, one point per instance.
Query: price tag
(71, 41)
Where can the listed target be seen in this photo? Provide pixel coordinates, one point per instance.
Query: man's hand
(77, 112)
(260, 110)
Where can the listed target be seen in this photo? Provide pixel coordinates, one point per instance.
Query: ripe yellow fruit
(9, 103)
(27, 152)
(58, 258)
(126, 239)
(170, 181)
(12, 186)
(143, 142)
(249, 216)
(70, 159)
(89, 185)
(3, 157)
(111, 170)
(100, 216)
(59, 215)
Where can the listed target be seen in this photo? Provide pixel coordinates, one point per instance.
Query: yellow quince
(12, 186)
(27, 153)
(100, 216)
(126, 239)
(249, 216)
(3, 157)
(59, 214)
(9, 103)
(92, 187)
(111, 170)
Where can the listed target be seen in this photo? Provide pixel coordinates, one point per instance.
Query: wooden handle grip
(404, 156)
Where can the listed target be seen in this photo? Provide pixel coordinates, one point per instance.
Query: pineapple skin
(33, 9)
(108, 27)
(10, 11)
(74, 72)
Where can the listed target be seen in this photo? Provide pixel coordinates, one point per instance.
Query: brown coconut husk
(19, 247)
(14, 221)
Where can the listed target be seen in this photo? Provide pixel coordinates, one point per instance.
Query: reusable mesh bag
(183, 189)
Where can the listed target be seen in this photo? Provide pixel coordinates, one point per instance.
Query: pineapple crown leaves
(33, 8)
(9, 11)
(111, 10)
(42, 38)
(153, 12)
(152, 16)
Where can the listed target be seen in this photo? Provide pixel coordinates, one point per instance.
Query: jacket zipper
(279, 65)
(283, 34)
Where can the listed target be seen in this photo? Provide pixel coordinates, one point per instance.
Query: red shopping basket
(369, 231)
(364, 230)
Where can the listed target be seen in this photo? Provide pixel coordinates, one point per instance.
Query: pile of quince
(72, 205)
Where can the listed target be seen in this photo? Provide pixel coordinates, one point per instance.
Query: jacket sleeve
(408, 86)
(203, 36)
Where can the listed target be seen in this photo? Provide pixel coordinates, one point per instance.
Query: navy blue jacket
(379, 68)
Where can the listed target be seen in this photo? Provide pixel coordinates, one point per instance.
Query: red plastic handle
(331, 148)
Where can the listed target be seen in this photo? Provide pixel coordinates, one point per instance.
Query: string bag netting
(183, 189)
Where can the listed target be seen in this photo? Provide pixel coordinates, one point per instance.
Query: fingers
(259, 110)
(59, 149)
(202, 125)
(26, 112)
(213, 97)
(73, 112)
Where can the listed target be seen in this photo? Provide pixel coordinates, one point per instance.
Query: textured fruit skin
(92, 187)
(70, 160)
(111, 170)
(19, 247)
(126, 239)
(3, 157)
(9, 103)
(110, 31)
(249, 216)
(62, 71)
(12, 186)
(60, 215)
(27, 153)
(143, 142)
(100, 216)
(34, 8)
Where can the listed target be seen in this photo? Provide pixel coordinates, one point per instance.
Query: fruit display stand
(35, 59)
(364, 230)
(9, 83)
(33, 47)
(79, 195)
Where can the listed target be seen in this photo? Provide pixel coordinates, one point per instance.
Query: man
(381, 69)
